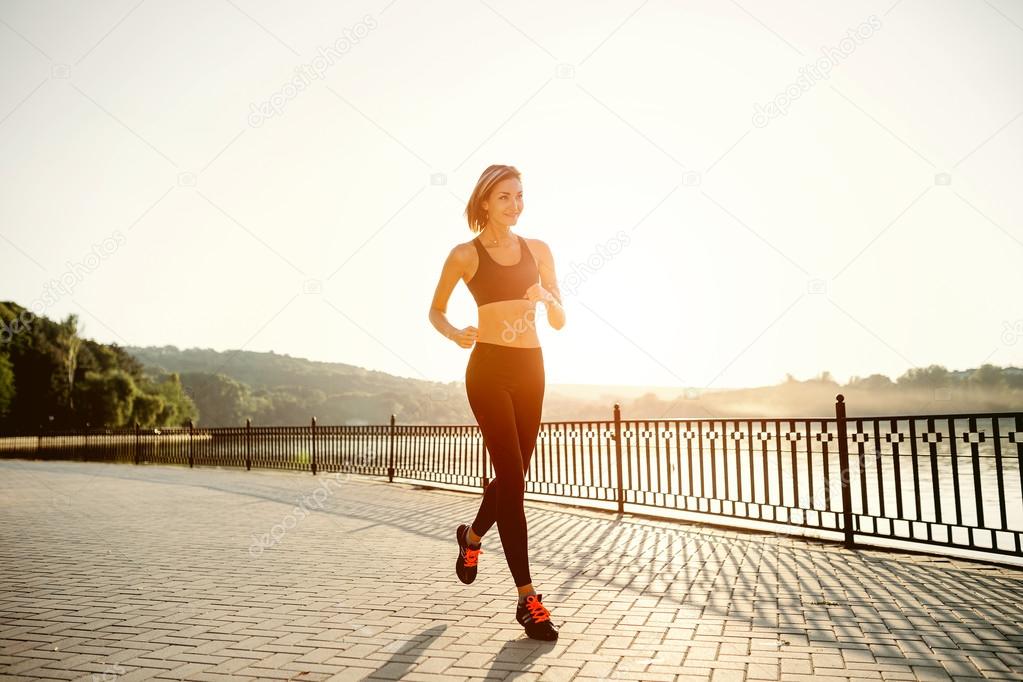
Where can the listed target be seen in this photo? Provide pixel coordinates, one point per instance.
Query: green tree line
(52, 378)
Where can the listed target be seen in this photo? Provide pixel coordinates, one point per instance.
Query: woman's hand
(555, 313)
(465, 337)
(537, 294)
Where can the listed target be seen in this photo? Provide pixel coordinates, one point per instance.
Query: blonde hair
(474, 212)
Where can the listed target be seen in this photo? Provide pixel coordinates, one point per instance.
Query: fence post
(248, 444)
(312, 457)
(390, 454)
(137, 439)
(843, 464)
(618, 457)
(39, 440)
(191, 445)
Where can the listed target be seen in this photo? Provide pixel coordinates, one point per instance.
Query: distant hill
(274, 389)
(267, 370)
(52, 377)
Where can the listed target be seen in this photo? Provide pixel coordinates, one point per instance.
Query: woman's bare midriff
(508, 323)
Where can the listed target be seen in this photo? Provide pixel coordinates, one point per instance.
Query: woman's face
(505, 202)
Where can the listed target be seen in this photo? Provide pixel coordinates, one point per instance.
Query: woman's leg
(490, 392)
(527, 403)
(527, 399)
(486, 517)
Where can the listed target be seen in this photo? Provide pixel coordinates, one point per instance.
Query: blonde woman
(507, 275)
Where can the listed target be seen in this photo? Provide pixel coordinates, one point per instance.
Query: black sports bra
(495, 282)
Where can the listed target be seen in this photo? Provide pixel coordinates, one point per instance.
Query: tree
(221, 400)
(36, 360)
(146, 410)
(872, 383)
(987, 376)
(934, 376)
(107, 399)
(178, 407)
(70, 343)
(65, 380)
(6, 385)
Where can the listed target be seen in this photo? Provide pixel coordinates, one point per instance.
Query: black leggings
(505, 387)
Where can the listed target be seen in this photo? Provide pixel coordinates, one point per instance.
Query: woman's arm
(549, 281)
(454, 265)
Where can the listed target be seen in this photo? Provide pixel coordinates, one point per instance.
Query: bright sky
(702, 237)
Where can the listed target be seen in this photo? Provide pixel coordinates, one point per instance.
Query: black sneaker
(465, 565)
(535, 617)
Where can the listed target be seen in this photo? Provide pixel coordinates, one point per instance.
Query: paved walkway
(121, 572)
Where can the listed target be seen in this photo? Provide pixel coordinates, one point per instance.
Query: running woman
(507, 275)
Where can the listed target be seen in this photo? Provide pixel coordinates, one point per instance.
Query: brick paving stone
(860, 655)
(930, 673)
(733, 648)
(207, 676)
(434, 665)
(350, 675)
(55, 673)
(1011, 659)
(885, 650)
(693, 675)
(762, 671)
(173, 589)
(183, 672)
(988, 663)
(728, 676)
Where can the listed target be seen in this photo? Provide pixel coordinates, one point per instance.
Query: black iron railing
(940, 481)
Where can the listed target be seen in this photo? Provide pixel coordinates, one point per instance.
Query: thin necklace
(495, 242)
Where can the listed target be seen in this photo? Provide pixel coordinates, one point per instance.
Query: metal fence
(932, 481)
